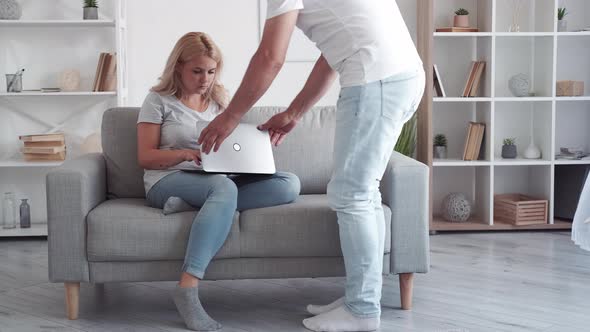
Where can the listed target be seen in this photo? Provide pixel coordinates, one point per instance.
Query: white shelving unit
(538, 51)
(49, 38)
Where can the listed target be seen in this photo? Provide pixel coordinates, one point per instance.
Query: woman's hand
(279, 126)
(191, 155)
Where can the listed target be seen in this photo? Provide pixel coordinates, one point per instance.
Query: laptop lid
(245, 150)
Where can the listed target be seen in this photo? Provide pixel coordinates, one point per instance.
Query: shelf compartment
(578, 16)
(472, 181)
(521, 121)
(569, 183)
(572, 121)
(452, 120)
(455, 69)
(480, 13)
(533, 181)
(535, 15)
(573, 61)
(532, 56)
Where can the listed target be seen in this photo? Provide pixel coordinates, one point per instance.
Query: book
(110, 78)
(467, 139)
(438, 85)
(43, 144)
(480, 139)
(477, 80)
(44, 150)
(455, 29)
(60, 156)
(43, 137)
(477, 141)
(98, 71)
(470, 78)
(103, 71)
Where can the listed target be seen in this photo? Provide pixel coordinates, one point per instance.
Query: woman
(189, 91)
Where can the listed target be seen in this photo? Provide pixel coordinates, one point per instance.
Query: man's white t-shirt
(364, 40)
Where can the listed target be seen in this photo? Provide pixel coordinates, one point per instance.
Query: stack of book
(474, 141)
(106, 73)
(474, 79)
(45, 147)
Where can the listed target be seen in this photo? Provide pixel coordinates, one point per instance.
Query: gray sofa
(101, 229)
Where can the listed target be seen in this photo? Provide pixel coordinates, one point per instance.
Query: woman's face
(198, 74)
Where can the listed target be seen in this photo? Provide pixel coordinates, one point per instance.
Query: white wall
(233, 24)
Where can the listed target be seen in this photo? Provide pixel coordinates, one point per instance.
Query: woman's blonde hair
(187, 47)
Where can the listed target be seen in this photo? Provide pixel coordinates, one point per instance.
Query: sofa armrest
(73, 189)
(405, 189)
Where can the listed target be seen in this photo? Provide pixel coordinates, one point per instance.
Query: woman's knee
(222, 186)
(291, 186)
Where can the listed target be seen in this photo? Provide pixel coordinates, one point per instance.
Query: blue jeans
(369, 120)
(218, 197)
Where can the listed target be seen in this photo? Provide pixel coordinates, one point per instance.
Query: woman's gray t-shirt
(178, 128)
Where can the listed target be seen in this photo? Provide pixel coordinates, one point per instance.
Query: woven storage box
(520, 210)
(570, 88)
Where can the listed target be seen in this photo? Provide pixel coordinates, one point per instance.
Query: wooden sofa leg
(406, 282)
(72, 299)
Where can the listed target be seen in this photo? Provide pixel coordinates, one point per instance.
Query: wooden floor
(537, 281)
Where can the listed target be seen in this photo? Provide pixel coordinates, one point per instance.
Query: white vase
(532, 151)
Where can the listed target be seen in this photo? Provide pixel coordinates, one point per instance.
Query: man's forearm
(319, 81)
(261, 72)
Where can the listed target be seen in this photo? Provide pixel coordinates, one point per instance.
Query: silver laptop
(246, 150)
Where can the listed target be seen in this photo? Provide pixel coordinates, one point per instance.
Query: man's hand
(217, 131)
(279, 126)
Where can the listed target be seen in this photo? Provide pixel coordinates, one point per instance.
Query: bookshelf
(538, 51)
(51, 37)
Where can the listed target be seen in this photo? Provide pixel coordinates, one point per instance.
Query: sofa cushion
(307, 150)
(304, 228)
(129, 230)
(119, 145)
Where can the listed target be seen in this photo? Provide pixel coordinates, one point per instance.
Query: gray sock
(190, 308)
(175, 205)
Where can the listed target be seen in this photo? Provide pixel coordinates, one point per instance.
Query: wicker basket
(520, 210)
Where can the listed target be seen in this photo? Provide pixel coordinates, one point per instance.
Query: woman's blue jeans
(369, 120)
(218, 197)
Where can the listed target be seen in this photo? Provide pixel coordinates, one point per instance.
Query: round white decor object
(10, 10)
(519, 85)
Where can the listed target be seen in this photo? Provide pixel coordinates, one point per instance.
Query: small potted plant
(561, 23)
(509, 149)
(461, 18)
(440, 146)
(90, 9)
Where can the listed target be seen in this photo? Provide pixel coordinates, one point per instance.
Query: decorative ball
(456, 208)
(10, 10)
(519, 85)
(69, 80)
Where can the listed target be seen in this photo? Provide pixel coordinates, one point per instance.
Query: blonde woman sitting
(189, 91)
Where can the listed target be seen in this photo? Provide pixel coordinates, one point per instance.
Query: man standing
(367, 44)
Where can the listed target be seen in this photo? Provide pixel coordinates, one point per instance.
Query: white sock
(341, 320)
(315, 309)
(175, 205)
